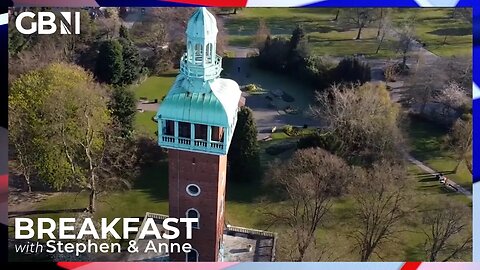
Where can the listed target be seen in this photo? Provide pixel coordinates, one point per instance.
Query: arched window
(193, 213)
(190, 51)
(209, 53)
(192, 256)
(198, 53)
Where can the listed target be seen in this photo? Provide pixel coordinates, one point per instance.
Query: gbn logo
(46, 25)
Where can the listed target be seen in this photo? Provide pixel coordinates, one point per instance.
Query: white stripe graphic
(437, 3)
(476, 91)
(280, 3)
(476, 222)
(3, 18)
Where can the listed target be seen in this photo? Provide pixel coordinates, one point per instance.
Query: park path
(431, 171)
(398, 90)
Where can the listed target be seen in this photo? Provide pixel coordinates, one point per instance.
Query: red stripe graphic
(3, 188)
(71, 265)
(411, 266)
(145, 265)
(212, 3)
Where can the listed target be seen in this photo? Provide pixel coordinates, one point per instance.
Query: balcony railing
(217, 145)
(201, 143)
(209, 72)
(184, 141)
(167, 138)
(168, 141)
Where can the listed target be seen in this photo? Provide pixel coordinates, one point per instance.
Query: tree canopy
(243, 155)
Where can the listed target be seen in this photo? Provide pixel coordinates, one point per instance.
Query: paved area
(266, 116)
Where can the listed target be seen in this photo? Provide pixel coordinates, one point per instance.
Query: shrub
(323, 140)
(291, 131)
(287, 98)
(277, 149)
(352, 70)
(287, 129)
(251, 88)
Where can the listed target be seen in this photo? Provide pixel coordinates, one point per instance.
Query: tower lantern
(196, 122)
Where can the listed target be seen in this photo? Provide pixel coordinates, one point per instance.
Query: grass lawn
(433, 25)
(247, 207)
(155, 87)
(327, 37)
(427, 146)
(144, 123)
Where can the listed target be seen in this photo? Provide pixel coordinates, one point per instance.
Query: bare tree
(405, 39)
(222, 37)
(448, 234)
(363, 120)
(465, 14)
(380, 199)
(308, 182)
(336, 15)
(359, 18)
(452, 97)
(460, 141)
(384, 27)
(109, 23)
(262, 33)
(425, 82)
(23, 146)
(460, 70)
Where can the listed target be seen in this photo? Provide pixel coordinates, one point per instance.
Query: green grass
(431, 27)
(155, 87)
(144, 123)
(327, 37)
(246, 206)
(427, 140)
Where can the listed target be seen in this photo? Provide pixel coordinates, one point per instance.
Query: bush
(251, 88)
(325, 141)
(277, 149)
(287, 129)
(287, 98)
(352, 70)
(291, 131)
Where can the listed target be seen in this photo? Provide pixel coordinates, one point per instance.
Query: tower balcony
(205, 72)
(193, 137)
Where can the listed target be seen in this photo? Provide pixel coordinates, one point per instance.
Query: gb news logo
(46, 23)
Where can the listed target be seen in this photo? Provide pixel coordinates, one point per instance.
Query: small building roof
(212, 102)
(202, 24)
(240, 244)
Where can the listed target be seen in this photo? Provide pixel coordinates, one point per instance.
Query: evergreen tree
(123, 107)
(297, 37)
(243, 155)
(132, 63)
(109, 67)
(124, 33)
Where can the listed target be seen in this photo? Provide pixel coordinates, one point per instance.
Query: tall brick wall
(208, 172)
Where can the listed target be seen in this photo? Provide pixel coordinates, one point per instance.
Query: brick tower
(196, 122)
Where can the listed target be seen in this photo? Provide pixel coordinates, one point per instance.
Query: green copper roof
(199, 95)
(194, 108)
(211, 103)
(202, 24)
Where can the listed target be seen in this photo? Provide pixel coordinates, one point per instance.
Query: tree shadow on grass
(169, 74)
(457, 31)
(415, 253)
(15, 214)
(153, 179)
